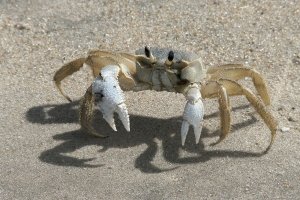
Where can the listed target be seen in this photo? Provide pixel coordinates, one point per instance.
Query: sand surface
(45, 155)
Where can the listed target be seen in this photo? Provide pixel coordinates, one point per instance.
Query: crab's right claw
(108, 115)
(109, 96)
(192, 115)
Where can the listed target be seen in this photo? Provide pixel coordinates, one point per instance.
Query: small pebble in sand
(292, 119)
(21, 26)
(285, 129)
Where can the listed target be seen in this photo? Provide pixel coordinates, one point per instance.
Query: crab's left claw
(193, 114)
(109, 96)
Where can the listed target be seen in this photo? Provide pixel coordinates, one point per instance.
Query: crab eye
(147, 51)
(169, 61)
(171, 56)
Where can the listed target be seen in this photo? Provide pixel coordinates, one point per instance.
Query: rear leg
(234, 88)
(236, 72)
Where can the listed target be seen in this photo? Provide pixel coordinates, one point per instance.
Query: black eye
(171, 56)
(147, 51)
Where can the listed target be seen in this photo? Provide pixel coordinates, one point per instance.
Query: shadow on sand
(144, 130)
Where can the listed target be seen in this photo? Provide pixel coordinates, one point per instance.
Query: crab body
(162, 69)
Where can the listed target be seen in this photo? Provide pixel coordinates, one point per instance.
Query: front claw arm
(193, 113)
(109, 97)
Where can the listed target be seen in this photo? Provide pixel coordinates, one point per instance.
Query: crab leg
(86, 113)
(193, 113)
(237, 72)
(218, 89)
(256, 103)
(233, 88)
(67, 70)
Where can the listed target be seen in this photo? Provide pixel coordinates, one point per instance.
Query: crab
(163, 69)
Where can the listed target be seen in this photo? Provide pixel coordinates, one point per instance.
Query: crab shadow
(144, 130)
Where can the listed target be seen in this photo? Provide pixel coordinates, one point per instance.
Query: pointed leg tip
(94, 132)
(212, 144)
(270, 145)
(69, 99)
(267, 149)
(217, 142)
(271, 142)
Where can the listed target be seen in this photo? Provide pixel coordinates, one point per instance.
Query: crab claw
(192, 115)
(109, 96)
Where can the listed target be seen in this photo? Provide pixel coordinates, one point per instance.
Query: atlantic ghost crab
(164, 69)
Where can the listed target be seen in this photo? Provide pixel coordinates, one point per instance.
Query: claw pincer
(193, 114)
(109, 96)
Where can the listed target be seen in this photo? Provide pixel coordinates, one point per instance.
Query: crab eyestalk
(149, 54)
(170, 59)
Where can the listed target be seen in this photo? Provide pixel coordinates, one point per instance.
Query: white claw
(192, 115)
(123, 115)
(109, 96)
